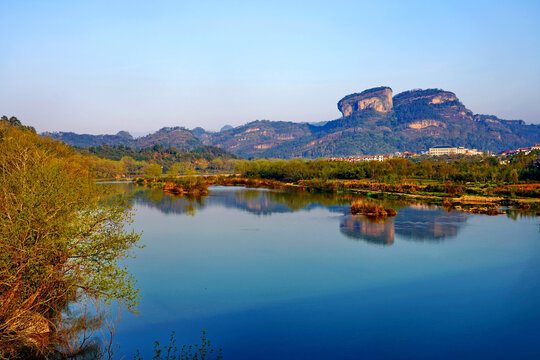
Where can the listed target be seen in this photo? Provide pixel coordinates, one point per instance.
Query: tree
(185, 168)
(513, 176)
(217, 164)
(132, 167)
(61, 237)
(153, 170)
(174, 170)
(13, 121)
(202, 164)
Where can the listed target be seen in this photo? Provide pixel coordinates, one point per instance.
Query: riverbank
(461, 197)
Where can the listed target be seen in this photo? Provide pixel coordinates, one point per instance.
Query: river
(277, 275)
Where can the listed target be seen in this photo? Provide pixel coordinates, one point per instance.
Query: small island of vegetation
(362, 207)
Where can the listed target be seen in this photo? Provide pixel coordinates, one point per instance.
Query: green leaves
(61, 238)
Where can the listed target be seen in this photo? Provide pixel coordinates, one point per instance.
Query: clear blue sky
(105, 66)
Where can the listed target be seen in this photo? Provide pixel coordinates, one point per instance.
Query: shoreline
(197, 185)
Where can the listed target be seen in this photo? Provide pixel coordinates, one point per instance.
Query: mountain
(86, 140)
(177, 137)
(373, 121)
(170, 137)
(259, 138)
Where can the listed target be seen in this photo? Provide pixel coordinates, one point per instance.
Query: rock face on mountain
(496, 120)
(429, 96)
(432, 104)
(373, 122)
(378, 99)
(432, 113)
(259, 137)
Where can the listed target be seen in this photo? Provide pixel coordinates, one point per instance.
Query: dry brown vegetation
(484, 210)
(371, 209)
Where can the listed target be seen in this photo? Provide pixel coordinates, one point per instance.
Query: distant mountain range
(373, 122)
(169, 136)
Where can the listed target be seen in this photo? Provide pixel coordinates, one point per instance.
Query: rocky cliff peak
(378, 99)
(437, 106)
(428, 96)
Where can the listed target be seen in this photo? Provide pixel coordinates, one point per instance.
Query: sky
(105, 66)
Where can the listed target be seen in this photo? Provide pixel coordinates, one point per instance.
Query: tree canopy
(61, 239)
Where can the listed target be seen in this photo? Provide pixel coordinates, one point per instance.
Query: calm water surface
(274, 275)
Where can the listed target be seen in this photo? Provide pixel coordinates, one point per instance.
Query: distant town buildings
(520, 150)
(362, 158)
(375, 157)
(407, 155)
(452, 150)
(434, 151)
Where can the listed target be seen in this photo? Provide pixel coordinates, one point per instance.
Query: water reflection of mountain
(420, 222)
(266, 202)
(259, 201)
(167, 204)
(415, 222)
(373, 231)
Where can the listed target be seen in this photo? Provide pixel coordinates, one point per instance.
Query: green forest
(518, 168)
(122, 161)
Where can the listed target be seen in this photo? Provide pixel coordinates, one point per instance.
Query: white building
(452, 150)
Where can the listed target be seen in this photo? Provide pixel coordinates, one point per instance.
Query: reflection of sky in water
(270, 282)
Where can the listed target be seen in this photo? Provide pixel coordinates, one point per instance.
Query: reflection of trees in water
(265, 202)
(248, 194)
(250, 200)
(300, 200)
(167, 204)
(254, 201)
(154, 195)
(377, 231)
(85, 331)
(415, 222)
(515, 214)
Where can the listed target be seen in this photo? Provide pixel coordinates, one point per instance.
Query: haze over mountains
(373, 122)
